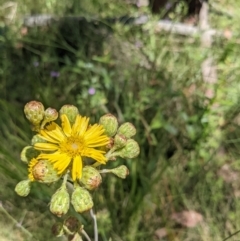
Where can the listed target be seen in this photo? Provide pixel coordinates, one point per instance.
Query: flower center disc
(73, 146)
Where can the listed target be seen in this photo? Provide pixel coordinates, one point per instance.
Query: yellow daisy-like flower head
(67, 145)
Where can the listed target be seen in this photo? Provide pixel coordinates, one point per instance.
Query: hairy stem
(95, 225)
(85, 235)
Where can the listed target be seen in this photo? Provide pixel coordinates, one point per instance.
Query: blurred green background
(185, 184)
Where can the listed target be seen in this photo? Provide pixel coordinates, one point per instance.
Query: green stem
(95, 225)
(67, 231)
(65, 178)
(85, 235)
(104, 171)
(25, 231)
(233, 234)
(110, 152)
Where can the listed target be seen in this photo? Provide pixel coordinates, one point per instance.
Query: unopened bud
(81, 200)
(127, 129)
(119, 141)
(50, 114)
(130, 150)
(37, 139)
(28, 153)
(34, 112)
(57, 229)
(91, 178)
(121, 171)
(60, 202)
(70, 111)
(43, 171)
(72, 224)
(23, 188)
(109, 123)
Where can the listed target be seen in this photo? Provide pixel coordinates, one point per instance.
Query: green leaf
(157, 121)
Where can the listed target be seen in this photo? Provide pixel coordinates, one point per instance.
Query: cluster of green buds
(122, 143)
(78, 195)
(38, 117)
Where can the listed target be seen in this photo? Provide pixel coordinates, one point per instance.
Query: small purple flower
(138, 44)
(54, 74)
(35, 63)
(91, 91)
(168, 5)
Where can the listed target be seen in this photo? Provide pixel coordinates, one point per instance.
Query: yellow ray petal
(62, 165)
(45, 146)
(84, 126)
(52, 126)
(97, 155)
(44, 136)
(80, 126)
(77, 168)
(103, 141)
(94, 131)
(76, 124)
(66, 125)
(53, 157)
(60, 160)
(54, 136)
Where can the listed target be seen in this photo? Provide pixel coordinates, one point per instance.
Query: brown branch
(162, 25)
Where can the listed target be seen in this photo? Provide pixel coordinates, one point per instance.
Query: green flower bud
(121, 171)
(34, 112)
(50, 114)
(81, 200)
(119, 141)
(57, 229)
(37, 139)
(130, 150)
(23, 188)
(60, 202)
(91, 178)
(72, 224)
(109, 123)
(44, 172)
(127, 129)
(28, 153)
(70, 111)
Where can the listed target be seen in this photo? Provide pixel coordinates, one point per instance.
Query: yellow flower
(67, 145)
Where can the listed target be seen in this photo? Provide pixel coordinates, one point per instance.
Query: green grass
(150, 79)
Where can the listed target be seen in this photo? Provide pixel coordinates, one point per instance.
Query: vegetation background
(185, 185)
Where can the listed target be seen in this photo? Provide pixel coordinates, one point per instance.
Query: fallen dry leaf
(187, 219)
(228, 174)
(161, 233)
(227, 34)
